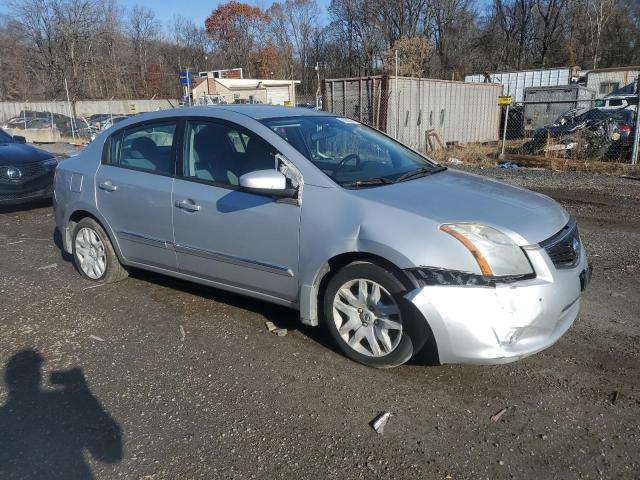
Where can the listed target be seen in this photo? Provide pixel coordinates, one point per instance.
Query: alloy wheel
(90, 253)
(367, 317)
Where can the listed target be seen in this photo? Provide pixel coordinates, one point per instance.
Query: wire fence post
(636, 137)
(504, 131)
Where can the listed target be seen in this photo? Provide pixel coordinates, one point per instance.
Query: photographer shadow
(44, 433)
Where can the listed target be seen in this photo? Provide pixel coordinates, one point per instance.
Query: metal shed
(457, 112)
(543, 105)
(605, 81)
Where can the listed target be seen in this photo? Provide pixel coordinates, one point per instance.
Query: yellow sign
(504, 101)
(132, 107)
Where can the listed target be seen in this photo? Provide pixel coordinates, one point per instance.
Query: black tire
(114, 271)
(414, 327)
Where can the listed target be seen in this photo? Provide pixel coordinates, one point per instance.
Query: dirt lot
(191, 385)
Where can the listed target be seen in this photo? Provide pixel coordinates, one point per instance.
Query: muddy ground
(179, 381)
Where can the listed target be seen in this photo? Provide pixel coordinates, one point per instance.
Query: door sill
(212, 283)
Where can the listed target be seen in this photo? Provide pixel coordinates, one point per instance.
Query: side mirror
(19, 139)
(266, 182)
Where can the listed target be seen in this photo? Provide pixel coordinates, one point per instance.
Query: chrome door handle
(108, 186)
(190, 207)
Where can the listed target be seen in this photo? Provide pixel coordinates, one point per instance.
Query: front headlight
(497, 255)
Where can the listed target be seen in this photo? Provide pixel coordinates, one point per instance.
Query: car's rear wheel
(368, 317)
(94, 255)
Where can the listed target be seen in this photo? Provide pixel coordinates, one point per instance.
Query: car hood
(454, 196)
(19, 153)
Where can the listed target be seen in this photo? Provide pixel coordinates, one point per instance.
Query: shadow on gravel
(282, 317)
(44, 433)
(25, 207)
(57, 240)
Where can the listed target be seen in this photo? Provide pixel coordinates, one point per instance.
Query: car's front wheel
(93, 253)
(368, 317)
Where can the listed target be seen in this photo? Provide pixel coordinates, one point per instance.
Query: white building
(209, 90)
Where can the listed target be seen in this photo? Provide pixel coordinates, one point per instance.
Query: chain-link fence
(585, 130)
(455, 120)
(449, 120)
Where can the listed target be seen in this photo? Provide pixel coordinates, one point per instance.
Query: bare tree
(550, 13)
(599, 12)
(142, 28)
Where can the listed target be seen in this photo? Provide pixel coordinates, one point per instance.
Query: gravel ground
(179, 381)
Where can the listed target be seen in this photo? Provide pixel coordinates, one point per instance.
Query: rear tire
(93, 253)
(367, 315)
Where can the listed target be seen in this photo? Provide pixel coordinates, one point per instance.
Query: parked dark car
(626, 121)
(26, 172)
(596, 134)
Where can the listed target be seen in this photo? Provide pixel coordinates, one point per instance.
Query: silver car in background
(320, 213)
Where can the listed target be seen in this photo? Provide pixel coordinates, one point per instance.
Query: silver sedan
(379, 244)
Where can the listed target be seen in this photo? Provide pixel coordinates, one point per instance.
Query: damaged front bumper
(506, 322)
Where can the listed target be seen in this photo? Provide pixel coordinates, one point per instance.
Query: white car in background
(617, 101)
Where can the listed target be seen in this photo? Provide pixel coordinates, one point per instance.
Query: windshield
(348, 151)
(5, 137)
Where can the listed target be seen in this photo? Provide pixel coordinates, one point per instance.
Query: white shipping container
(514, 83)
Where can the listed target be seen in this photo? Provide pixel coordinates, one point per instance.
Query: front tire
(93, 254)
(368, 317)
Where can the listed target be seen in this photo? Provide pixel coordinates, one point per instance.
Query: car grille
(29, 170)
(564, 247)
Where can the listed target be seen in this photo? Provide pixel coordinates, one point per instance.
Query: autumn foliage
(236, 28)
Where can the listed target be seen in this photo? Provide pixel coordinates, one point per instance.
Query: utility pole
(636, 137)
(188, 87)
(318, 101)
(71, 117)
(397, 98)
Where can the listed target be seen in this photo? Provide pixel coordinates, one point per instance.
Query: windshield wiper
(367, 181)
(419, 172)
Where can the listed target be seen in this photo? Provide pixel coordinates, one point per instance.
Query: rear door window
(147, 147)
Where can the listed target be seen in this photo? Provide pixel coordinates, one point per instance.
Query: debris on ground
(455, 161)
(47, 267)
(281, 332)
(614, 397)
(380, 421)
(496, 418)
(183, 335)
(508, 165)
(95, 337)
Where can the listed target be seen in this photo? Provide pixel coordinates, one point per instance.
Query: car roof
(256, 112)
(259, 112)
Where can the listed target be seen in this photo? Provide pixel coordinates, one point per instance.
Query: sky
(196, 10)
